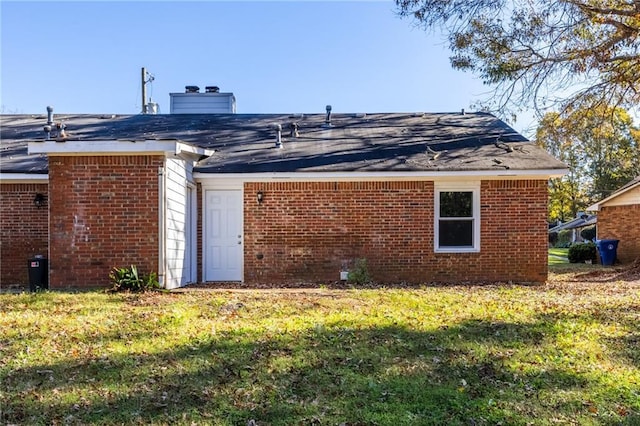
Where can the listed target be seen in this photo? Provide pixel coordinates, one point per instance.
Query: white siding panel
(177, 273)
(627, 198)
(202, 103)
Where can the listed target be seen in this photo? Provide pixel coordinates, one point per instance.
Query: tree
(567, 194)
(600, 145)
(535, 51)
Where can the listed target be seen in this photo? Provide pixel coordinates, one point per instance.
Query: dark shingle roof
(245, 143)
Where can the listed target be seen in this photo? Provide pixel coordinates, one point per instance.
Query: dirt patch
(620, 273)
(605, 280)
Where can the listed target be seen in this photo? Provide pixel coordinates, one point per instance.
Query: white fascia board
(596, 207)
(184, 149)
(350, 176)
(110, 147)
(24, 178)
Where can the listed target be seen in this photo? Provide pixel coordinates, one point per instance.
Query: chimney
(209, 102)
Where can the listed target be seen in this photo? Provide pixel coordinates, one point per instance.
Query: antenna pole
(144, 91)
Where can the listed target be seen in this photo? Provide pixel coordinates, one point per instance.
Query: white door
(223, 236)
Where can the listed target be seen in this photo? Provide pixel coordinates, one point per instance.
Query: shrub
(564, 238)
(588, 234)
(580, 252)
(553, 238)
(128, 279)
(359, 274)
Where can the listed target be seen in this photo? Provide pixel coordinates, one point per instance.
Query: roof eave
(596, 206)
(118, 146)
(450, 174)
(24, 178)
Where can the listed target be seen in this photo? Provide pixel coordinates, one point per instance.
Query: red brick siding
(23, 230)
(514, 231)
(621, 223)
(308, 231)
(200, 210)
(103, 213)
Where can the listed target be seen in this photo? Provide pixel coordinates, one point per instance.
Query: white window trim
(474, 188)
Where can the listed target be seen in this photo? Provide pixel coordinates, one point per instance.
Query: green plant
(359, 274)
(588, 234)
(564, 238)
(128, 279)
(553, 238)
(579, 253)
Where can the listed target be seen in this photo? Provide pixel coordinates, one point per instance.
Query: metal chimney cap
(328, 108)
(191, 89)
(212, 89)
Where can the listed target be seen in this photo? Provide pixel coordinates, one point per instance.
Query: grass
(562, 252)
(564, 353)
(558, 256)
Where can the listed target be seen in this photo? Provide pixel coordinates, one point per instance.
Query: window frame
(474, 188)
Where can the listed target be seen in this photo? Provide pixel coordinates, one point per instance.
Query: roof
(623, 189)
(245, 143)
(579, 222)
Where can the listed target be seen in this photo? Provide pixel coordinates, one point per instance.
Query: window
(457, 218)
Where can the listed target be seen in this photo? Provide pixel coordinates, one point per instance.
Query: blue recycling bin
(608, 250)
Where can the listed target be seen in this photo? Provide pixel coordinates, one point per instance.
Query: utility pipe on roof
(49, 115)
(47, 127)
(278, 129)
(327, 120)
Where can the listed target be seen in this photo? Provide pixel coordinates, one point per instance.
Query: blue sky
(280, 57)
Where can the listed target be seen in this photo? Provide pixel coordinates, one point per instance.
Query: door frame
(191, 233)
(226, 185)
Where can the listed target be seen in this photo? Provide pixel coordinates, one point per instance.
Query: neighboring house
(576, 226)
(619, 219)
(273, 198)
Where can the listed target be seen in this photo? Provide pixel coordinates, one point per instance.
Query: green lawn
(563, 353)
(563, 252)
(558, 256)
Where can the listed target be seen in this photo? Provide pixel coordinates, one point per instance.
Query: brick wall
(309, 231)
(103, 213)
(23, 230)
(200, 210)
(621, 223)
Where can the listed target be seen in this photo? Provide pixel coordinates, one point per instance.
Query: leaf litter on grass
(556, 353)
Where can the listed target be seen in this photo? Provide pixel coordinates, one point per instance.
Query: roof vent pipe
(191, 89)
(327, 121)
(47, 127)
(212, 89)
(49, 115)
(294, 130)
(462, 112)
(278, 129)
